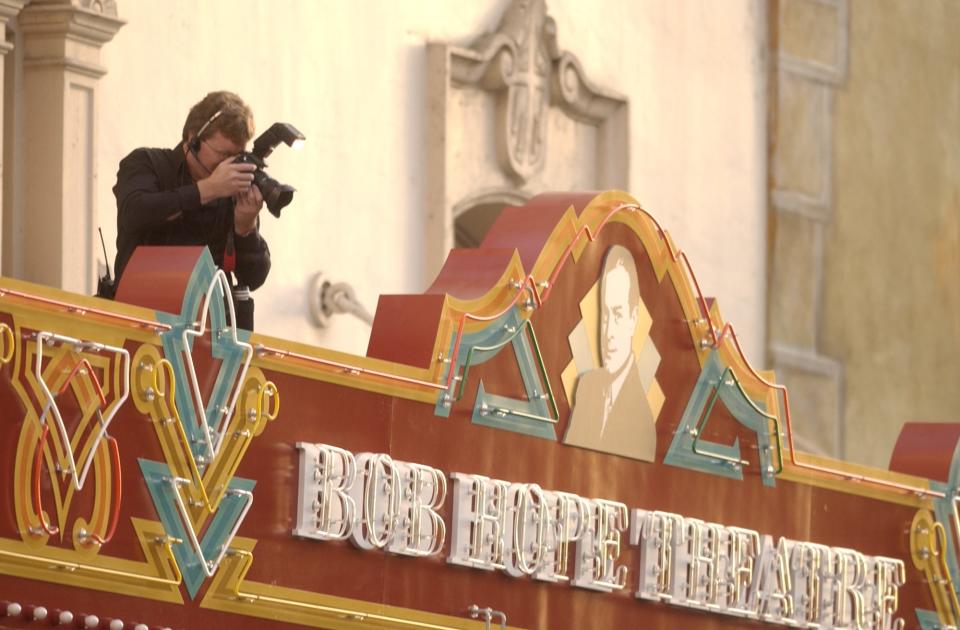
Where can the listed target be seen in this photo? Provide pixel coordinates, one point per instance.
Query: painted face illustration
(618, 320)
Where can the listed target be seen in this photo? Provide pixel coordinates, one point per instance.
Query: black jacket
(154, 185)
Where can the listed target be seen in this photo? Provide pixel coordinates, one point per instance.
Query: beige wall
(865, 287)
(810, 39)
(351, 76)
(892, 291)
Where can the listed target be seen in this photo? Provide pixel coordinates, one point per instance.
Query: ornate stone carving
(522, 61)
(510, 116)
(524, 70)
(106, 7)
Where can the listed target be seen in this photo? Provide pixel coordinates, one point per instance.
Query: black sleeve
(142, 202)
(253, 259)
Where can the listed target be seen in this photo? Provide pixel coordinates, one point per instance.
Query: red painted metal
(83, 363)
(926, 449)
(342, 413)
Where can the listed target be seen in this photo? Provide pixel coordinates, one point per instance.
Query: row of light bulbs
(67, 618)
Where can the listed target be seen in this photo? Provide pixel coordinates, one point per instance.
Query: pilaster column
(61, 71)
(8, 9)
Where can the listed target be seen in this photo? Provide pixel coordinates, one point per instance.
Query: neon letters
(522, 530)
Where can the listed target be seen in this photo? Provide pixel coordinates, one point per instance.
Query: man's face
(618, 321)
(214, 150)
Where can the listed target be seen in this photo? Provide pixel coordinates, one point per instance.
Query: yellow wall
(892, 264)
(864, 310)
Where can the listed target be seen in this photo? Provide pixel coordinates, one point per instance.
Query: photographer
(195, 194)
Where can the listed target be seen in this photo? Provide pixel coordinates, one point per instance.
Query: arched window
(474, 216)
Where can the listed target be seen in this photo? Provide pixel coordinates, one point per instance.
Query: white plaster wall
(351, 76)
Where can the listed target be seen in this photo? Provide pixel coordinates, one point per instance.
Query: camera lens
(275, 194)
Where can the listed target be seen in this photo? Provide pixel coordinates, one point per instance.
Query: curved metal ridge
(538, 293)
(338, 612)
(80, 310)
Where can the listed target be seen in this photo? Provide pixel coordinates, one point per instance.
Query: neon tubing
(79, 479)
(213, 446)
(705, 416)
(37, 500)
(530, 284)
(117, 497)
(209, 566)
(9, 343)
(72, 308)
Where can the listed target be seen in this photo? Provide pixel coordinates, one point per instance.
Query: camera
(276, 195)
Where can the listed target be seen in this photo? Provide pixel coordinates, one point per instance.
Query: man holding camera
(197, 194)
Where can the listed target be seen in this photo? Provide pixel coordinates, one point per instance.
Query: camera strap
(229, 254)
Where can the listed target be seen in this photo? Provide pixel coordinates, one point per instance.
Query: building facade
(800, 152)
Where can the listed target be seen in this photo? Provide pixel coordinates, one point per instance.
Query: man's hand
(227, 180)
(246, 207)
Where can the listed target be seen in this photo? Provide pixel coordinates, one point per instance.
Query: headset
(195, 143)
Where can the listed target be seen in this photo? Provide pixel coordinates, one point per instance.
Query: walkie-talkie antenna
(106, 261)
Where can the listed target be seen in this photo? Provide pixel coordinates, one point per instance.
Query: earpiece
(195, 143)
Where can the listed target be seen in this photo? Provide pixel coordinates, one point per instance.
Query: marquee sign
(561, 432)
(525, 531)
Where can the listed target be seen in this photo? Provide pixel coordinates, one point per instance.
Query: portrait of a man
(610, 408)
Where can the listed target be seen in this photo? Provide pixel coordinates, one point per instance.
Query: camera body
(275, 194)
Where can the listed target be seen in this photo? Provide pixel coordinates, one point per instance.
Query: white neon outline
(324, 469)
(391, 476)
(438, 485)
(79, 480)
(214, 447)
(209, 566)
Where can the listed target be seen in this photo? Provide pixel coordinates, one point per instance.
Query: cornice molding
(69, 20)
(10, 8)
(105, 7)
(92, 70)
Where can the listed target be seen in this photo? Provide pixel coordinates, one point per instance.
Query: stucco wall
(892, 264)
(351, 76)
